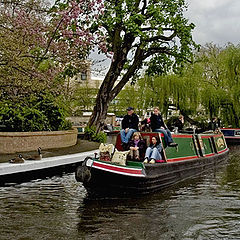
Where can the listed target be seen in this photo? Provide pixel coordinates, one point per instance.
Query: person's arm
(124, 123)
(130, 144)
(159, 147)
(152, 123)
(137, 122)
(163, 124)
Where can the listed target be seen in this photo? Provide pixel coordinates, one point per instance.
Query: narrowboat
(194, 154)
(232, 135)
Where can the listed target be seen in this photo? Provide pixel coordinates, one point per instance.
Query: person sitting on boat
(179, 123)
(129, 126)
(153, 152)
(158, 125)
(145, 125)
(214, 124)
(137, 147)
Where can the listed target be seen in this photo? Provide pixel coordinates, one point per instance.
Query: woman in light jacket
(153, 152)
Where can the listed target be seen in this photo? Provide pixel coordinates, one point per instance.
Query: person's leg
(123, 136)
(131, 153)
(156, 154)
(170, 140)
(148, 152)
(166, 137)
(129, 134)
(136, 155)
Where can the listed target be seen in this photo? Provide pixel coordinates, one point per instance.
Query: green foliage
(135, 32)
(45, 65)
(91, 134)
(159, 29)
(82, 99)
(208, 87)
(39, 113)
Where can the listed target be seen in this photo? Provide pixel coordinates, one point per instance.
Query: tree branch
(138, 60)
(51, 39)
(151, 28)
(144, 7)
(161, 37)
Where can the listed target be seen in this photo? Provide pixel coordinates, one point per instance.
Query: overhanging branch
(162, 37)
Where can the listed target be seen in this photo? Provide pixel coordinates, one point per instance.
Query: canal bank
(80, 146)
(53, 162)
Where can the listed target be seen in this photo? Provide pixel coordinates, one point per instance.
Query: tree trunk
(100, 111)
(103, 99)
(108, 91)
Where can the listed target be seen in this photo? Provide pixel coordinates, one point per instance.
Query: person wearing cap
(129, 126)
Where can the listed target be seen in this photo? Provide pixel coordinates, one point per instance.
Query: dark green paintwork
(185, 148)
(188, 146)
(135, 164)
(207, 144)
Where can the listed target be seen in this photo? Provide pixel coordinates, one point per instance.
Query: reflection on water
(59, 208)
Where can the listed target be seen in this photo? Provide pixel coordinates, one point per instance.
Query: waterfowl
(37, 156)
(18, 159)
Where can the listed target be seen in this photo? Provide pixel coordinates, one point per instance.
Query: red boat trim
(222, 151)
(210, 154)
(205, 136)
(118, 169)
(181, 136)
(218, 135)
(181, 159)
(232, 137)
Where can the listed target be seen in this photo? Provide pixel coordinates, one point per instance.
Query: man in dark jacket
(129, 126)
(179, 123)
(158, 125)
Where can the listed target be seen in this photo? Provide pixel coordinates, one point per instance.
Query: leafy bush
(39, 113)
(91, 134)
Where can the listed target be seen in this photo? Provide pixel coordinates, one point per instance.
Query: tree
(206, 88)
(220, 94)
(131, 33)
(35, 53)
(135, 32)
(35, 61)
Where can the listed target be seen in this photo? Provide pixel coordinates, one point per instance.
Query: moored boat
(232, 135)
(193, 155)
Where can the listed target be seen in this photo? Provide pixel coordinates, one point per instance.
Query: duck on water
(193, 155)
(21, 159)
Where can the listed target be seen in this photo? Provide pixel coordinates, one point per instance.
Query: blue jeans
(167, 135)
(153, 153)
(126, 136)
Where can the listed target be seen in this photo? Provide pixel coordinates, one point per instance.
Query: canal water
(59, 208)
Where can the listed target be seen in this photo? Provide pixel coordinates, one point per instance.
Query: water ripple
(59, 208)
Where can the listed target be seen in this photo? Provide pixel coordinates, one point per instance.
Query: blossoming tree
(38, 47)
